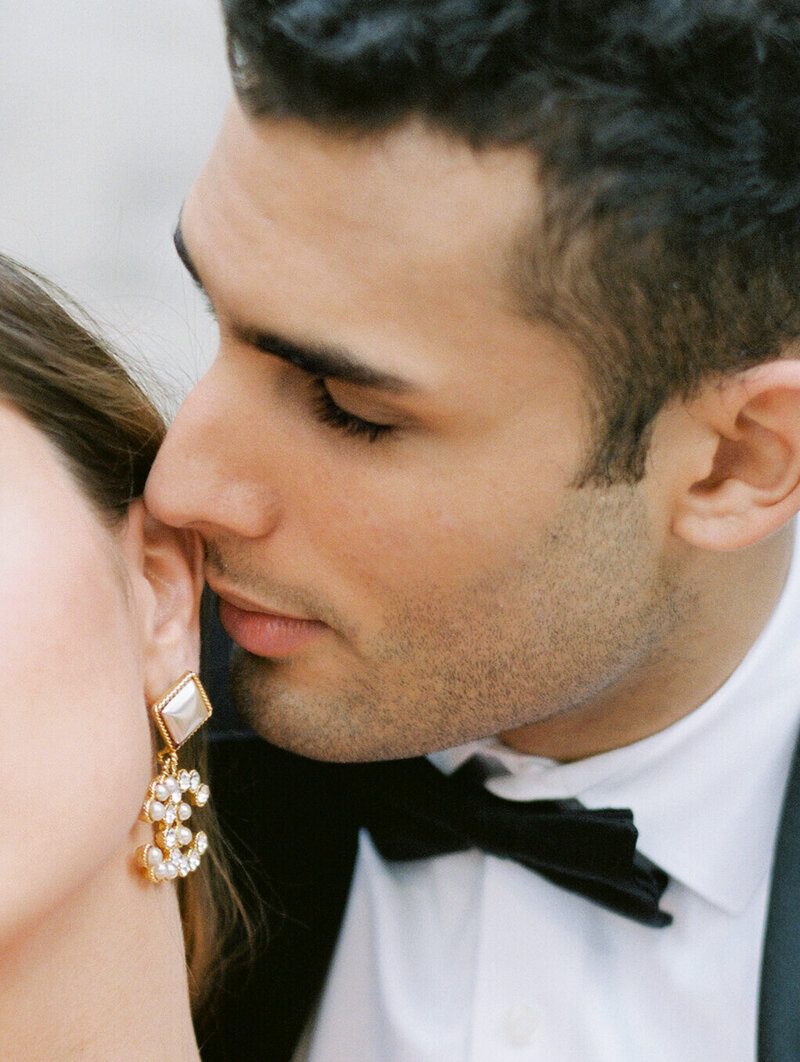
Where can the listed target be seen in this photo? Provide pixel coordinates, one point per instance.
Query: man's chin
(299, 721)
(334, 725)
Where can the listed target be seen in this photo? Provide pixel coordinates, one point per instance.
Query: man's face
(381, 459)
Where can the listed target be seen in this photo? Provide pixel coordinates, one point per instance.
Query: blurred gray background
(107, 110)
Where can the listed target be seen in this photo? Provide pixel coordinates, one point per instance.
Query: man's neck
(737, 593)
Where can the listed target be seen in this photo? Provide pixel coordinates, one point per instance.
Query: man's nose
(209, 474)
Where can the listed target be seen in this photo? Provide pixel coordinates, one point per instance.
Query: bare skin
(126, 996)
(452, 580)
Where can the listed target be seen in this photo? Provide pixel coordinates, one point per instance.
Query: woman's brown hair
(60, 375)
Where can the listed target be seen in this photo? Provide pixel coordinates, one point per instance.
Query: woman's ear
(166, 567)
(742, 436)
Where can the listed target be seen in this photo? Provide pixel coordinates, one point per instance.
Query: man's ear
(166, 567)
(741, 442)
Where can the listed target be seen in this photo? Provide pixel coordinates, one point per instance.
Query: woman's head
(99, 607)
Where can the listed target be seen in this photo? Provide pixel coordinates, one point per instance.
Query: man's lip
(262, 632)
(248, 605)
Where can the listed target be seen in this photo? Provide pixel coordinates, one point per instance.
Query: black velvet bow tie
(413, 811)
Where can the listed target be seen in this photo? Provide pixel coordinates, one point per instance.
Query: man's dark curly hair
(668, 138)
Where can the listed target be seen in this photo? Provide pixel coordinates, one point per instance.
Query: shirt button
(521, 1024)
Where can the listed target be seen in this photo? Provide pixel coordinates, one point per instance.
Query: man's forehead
(415, 185)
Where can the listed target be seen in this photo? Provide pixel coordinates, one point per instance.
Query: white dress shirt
(472, 958)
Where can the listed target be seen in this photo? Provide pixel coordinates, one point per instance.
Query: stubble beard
(513, 648)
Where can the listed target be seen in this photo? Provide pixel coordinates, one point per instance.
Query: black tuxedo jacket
(294, 825)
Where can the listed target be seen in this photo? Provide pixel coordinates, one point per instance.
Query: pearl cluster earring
(176, 851)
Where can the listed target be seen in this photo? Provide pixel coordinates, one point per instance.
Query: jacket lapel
(779, 1009)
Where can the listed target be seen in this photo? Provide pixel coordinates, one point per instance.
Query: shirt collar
(706, 792)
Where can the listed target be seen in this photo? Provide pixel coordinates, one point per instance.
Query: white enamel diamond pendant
(176, 850)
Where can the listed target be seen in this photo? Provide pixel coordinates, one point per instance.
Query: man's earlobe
(751, 484)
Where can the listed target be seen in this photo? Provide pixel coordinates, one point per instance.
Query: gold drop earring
(176, 851)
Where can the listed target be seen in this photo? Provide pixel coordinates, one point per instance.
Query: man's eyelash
(327, 412)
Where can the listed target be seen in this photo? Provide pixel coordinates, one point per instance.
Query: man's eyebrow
(328, 362)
